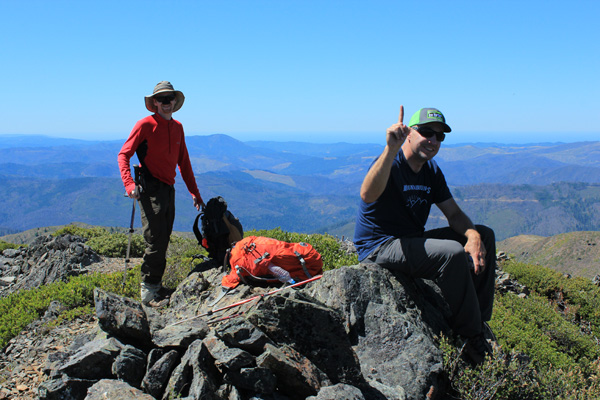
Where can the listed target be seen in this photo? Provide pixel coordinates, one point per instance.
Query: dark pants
(157, 205)
(439, 255)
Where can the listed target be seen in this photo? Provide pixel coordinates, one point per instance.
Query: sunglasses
(429, 133)
(165, 99)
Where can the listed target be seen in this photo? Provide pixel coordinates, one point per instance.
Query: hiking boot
(158, 302)
(476, 348)
(154, 294)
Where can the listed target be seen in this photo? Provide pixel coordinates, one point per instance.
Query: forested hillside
(301, 187)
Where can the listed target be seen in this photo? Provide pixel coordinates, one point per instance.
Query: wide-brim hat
(427, 116)
(164, 87)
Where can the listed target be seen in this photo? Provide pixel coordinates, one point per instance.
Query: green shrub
(544, 328)
(533, 327)
(86, 233)
(20, 309)
(115, 245)
(5, 245)
(509, 376)
(499, 377)
(580, 294)
(105, 243)
(182, 259)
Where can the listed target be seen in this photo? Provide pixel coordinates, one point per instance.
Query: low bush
(20, 309)
(578, 294)
(533, 327)
(115, 245)
(183, 256)
(105, 243)
(5, 245)
(545, 354)
(508, 376)
(86, 233)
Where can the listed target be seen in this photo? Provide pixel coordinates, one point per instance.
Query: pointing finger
(401, 116)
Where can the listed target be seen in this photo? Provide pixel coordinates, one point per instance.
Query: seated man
(396, 198)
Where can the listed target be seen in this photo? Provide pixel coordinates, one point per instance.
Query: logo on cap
(435, 115)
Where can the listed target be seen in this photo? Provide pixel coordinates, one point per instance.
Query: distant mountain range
(542, 189)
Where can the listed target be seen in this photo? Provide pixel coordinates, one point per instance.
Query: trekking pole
(241, 302)
(136, 169)
(129, 245)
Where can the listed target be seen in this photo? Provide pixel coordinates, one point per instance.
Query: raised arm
(376, 179)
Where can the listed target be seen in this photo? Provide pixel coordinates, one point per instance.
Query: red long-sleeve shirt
(166, 151)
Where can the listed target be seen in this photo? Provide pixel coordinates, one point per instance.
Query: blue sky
(322, 71)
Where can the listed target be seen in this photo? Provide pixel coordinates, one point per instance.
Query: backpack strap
(259, 259)
(197, 232)
(243, 279)
(303, 264)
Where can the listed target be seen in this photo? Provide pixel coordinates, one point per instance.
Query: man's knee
(487, 234)
(456, 265)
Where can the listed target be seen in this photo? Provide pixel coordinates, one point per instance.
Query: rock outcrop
(359, 332)
(46, 260)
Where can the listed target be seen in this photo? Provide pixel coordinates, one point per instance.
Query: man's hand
(475, 248)
(197, 203)
(397, 133)
(135, 193)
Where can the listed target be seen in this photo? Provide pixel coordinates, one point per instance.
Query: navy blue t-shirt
(390, 215)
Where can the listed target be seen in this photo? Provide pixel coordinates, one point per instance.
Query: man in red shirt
(159, 142)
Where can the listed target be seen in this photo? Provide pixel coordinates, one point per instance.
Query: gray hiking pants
(439, 255)
(157, 205)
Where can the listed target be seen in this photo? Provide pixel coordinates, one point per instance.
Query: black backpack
(217, 225)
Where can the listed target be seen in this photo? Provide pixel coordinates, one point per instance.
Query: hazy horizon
(453, 138)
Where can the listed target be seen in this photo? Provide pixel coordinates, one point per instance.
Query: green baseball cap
(428, 115)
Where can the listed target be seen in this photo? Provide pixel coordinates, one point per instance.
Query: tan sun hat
(164, 87)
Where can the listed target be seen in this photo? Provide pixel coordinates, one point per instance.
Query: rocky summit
(358, 332)
(46, 260)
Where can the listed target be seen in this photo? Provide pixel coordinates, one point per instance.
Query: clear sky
(322, 71)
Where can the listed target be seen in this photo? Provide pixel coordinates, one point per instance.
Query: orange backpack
(251, 257)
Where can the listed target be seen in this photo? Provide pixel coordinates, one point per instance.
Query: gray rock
(258, 380)
(228, 392)
(115, 390)
(129, 366)
(312, 329)
(64, 388)
(11, 253)
(156, 378)
(297, 376)
(54, 310)
(121, 317)
(153, 356)
(180, 335)
(190, 290)
(339, 391)
(379, 390)
(239, 332)
(391, 320)
(195, 376)
(227, 358)
(93, 360)
(49, 259)
(7, 280)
